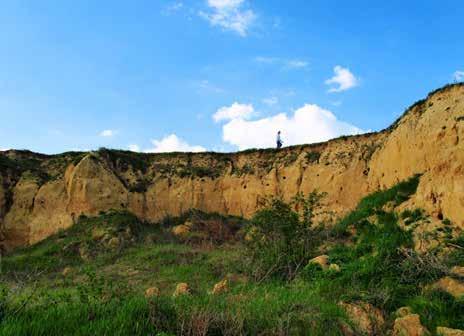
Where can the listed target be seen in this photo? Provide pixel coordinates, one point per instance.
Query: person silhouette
(279, 140)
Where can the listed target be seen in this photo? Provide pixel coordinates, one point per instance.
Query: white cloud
(284, 63)
(458, 76)
(297, 64)
(308, 124)
(206, 85)
(134, 148)
(266, 60)
(270, 101)
(108, 133)
(173, 7)
(221, 4)
(234, 111)
(172, 143)
(229, 15)
(77, 149)
(343, 79)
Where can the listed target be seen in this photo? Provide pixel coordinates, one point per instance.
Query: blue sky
(216, 74)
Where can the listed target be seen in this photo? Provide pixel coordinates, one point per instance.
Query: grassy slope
(104, 294)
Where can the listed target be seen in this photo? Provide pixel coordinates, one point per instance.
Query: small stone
(152, 292)
(367, 318)
(67, 271)
(221, 287)
(322, 261)
(458, 271)
(114, 243)
(181, 289)
(403, 311)
(334, 268)
(409, 325)
(443, 331)
(180, 230)
(451, 286)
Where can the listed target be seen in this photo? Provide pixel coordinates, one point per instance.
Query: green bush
(312, 157)
(279, 240)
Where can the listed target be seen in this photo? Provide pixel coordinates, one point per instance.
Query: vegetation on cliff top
(90, 279)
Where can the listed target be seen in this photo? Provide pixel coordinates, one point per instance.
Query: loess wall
(41, 194)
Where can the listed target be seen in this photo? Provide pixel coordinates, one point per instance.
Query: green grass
(62, 248)
(312, 157)
(268, 309)
(369, 205)
(104, 294)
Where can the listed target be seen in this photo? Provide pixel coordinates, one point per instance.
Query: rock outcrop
(41, 194)
(442, 331)
(367, 319)
(450, 285)
(409, 325)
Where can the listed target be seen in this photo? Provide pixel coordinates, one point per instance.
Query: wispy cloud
(266, 60)
(270, 101)
(108, 133)
(172, 8)
(282, 62)
(458, 76)
(230, 15)
(206, 85)
(297, 64)
(343, 80)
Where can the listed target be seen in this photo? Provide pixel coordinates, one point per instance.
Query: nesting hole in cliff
(244, 187)
(267, 184)
(284, 177)
(440, 216)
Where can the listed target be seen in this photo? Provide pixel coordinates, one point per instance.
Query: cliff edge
(41, 194)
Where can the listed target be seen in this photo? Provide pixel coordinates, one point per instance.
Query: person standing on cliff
(279, 140)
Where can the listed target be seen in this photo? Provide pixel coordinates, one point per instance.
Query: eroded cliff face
(41, 194)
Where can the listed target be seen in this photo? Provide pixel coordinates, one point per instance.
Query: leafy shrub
(412, 216)
(247, 169)
(313, 157)
(125, 159)
(456, 256)
(279, 240)
(438, 308)
(3, 301)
